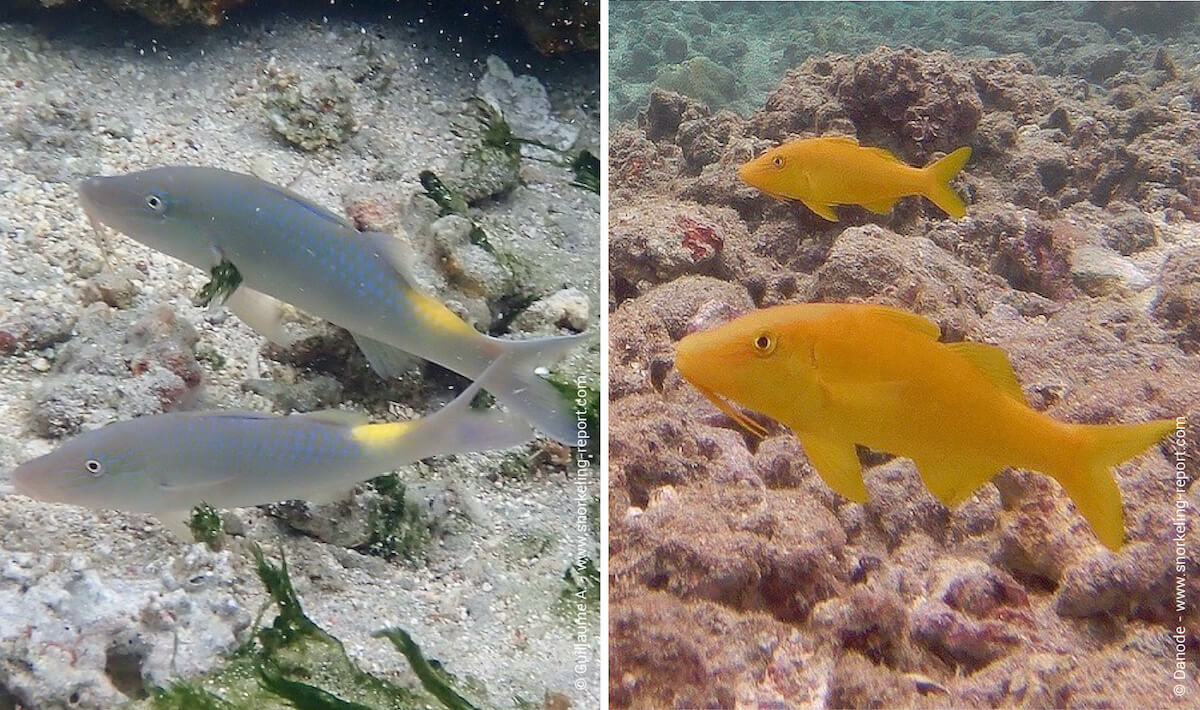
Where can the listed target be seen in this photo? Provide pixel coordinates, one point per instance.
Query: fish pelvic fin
(881, 206)
(836, 462)
(516, 384)
(953, 481)
(1091, 484)
(940, 175)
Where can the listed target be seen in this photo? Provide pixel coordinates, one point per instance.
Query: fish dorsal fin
(884, 154)
(992, 362)
(340, 417)
(302, 201)
(225, 414)
(396, 253)
(907, 320)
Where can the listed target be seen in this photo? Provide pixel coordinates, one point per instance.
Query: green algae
(207, 527)
(587, 171)
(225, 280)
(293, 664)
(434, 679)
(398, 531)
(450, 202)
(588, 407)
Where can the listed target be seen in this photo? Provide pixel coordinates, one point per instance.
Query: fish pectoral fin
(994, 364)
(825, 211)
(859, 396)
(836, 462)
(951, 481)
(263, 313)
(882, 206)
(386, 360)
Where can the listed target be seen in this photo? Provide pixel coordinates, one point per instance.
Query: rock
(35, 326)
(116, 288)
(484, 172)
(121, 364)
(1130, 232)
(524, 104)
(89, 629)
(1177, 303)
(667, 110)
(307, 395)
(567, 308)
(701, 79)
(959, 639)
(1099, 271)
(312, 114)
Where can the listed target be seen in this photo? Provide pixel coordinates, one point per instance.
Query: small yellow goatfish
(846, 374)
(836, 170)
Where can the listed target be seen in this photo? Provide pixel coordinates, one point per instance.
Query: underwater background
(348, 103)
(737, 578)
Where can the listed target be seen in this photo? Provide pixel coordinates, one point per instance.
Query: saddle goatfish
(836, 170)
(166, 464)
(293, 250)
(844, 374)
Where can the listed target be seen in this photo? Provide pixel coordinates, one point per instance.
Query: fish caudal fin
(518, 386)
(940, 175)
(457, 428)
(1092, 486)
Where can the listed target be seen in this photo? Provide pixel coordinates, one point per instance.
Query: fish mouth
(734, 413)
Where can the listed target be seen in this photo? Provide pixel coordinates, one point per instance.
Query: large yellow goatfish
(836, 170)
(846, 374)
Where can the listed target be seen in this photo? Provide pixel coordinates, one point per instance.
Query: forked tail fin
(457, 428)
(1092, 486)
(941, 173)
(518, 387)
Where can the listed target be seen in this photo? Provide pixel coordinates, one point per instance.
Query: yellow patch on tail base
(437, 315)
(377, 436)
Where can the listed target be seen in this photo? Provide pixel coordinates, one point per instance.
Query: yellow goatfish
(846, 374)
(836, 170)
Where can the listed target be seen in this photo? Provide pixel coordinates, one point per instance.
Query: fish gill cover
(738, 578)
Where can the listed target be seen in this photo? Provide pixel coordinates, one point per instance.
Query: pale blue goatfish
(167, 464)
(295, 251)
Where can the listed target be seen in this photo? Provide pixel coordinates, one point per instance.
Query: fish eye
(94, 467)
(155, 203)
(777, 161)
(764, 344)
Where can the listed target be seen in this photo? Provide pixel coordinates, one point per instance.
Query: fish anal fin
(825, 211)
(994, 364)
(384, 359)
(836, 462)
(882, 206)
(951, 481)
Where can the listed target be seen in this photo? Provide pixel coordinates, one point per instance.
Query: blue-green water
(729, 55)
